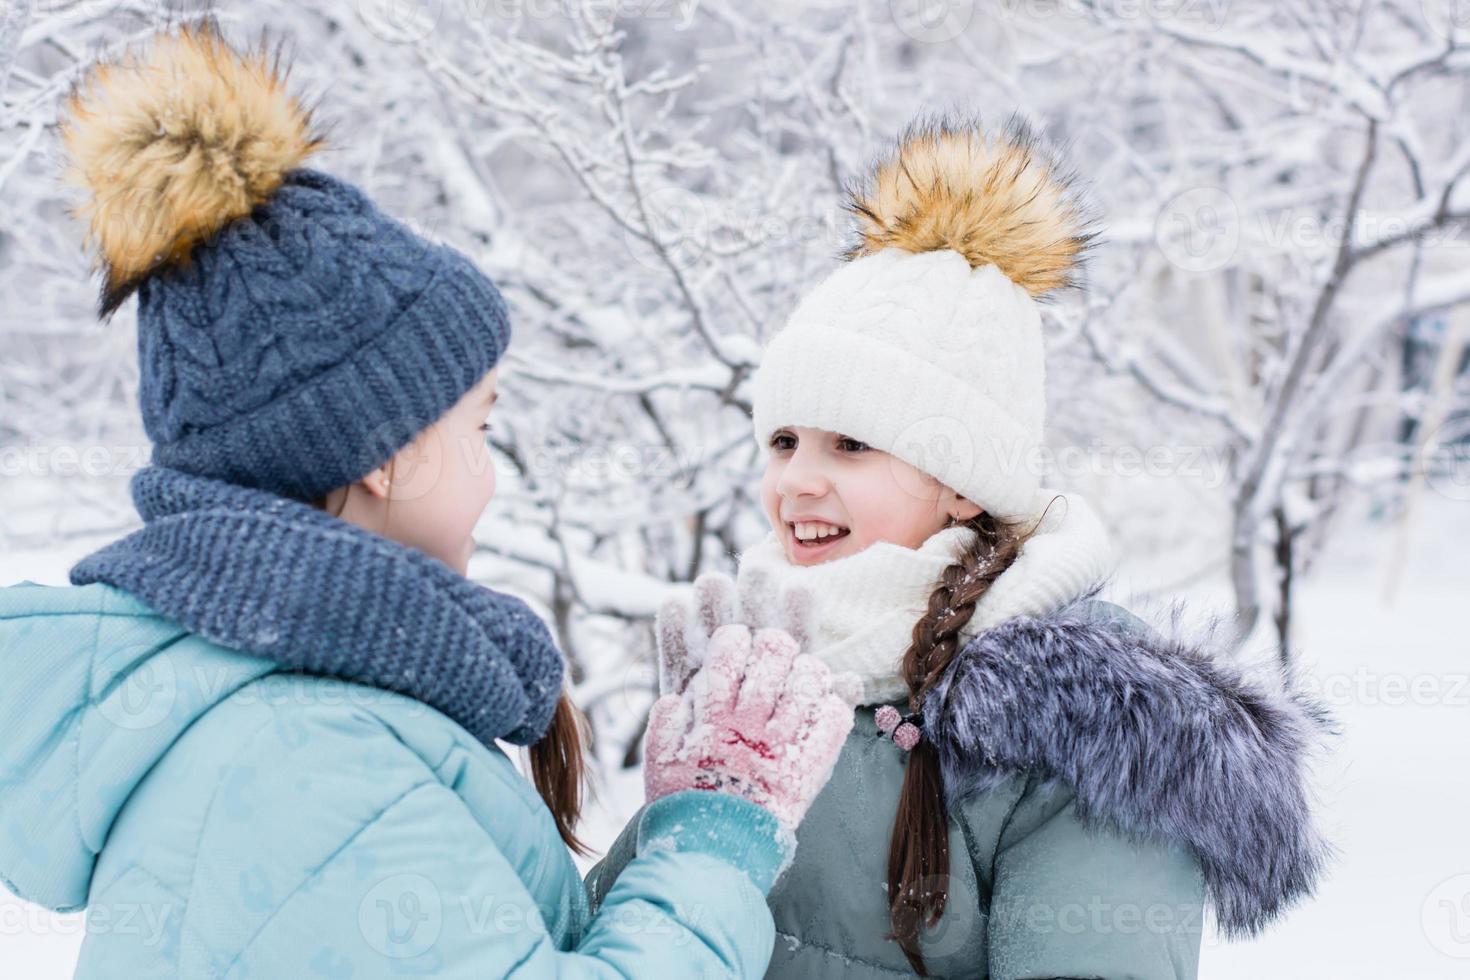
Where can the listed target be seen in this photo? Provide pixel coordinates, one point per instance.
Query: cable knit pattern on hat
(291, 336)
(919, 355)
(307, 343)
(279, 579)
(867, 603)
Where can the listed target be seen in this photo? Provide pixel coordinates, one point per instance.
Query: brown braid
(918, 852)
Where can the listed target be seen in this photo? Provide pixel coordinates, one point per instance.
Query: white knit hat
(928, 344)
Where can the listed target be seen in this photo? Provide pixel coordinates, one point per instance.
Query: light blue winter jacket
(219, 817)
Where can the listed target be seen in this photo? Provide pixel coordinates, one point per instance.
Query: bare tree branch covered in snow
(1316, 196)
(654, 185)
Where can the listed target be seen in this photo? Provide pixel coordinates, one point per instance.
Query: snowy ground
(1395, 795)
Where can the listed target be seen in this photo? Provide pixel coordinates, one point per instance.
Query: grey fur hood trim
(1157, 733)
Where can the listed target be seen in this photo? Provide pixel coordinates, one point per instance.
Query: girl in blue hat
(258, 736)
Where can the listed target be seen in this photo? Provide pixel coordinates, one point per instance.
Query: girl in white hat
(1038, 784)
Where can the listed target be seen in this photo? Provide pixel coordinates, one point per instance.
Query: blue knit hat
(291, 336)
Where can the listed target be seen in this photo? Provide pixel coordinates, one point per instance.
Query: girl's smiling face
(828, 496)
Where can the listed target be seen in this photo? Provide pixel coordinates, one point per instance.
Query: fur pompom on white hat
(927, 344)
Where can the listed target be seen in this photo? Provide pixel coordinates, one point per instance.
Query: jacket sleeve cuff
(720, 824)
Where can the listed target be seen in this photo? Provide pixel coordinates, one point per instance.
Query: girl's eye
(783, 440)
(852, 445)
(485, 427)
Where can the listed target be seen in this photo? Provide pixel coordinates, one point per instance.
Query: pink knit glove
(758, 720)
(684, 626)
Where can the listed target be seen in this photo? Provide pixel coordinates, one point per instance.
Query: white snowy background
(1264, 389)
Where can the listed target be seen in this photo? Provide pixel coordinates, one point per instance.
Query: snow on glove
(759, 719)
(684, 626)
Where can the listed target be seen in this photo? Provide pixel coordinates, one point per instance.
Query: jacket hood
(1158, 730)
(96, 688)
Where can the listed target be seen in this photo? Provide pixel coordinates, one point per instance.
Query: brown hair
(559, 769)
(918, 851)
(558, 762)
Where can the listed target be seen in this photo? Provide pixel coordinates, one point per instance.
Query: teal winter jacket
(220, 817)
(1106, 783)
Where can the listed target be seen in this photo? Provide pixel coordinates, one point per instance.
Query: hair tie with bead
(905, 730)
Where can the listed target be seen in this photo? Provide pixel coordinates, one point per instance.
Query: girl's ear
(379, 482)
(963, 510)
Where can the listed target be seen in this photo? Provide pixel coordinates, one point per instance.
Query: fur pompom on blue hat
(292, 337)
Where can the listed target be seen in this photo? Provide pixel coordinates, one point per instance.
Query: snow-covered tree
(654, 184)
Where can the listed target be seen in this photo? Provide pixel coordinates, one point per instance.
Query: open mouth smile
(814, 538)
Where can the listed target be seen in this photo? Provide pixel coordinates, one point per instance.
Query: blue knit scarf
(277, 578)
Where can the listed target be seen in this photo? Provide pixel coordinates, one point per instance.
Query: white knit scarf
(867, 603)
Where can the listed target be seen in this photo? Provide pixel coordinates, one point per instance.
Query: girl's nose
(803, 476)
